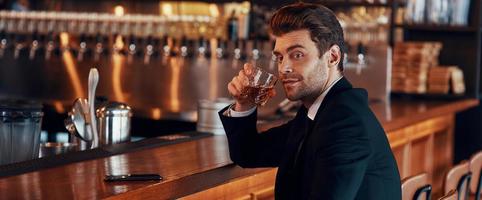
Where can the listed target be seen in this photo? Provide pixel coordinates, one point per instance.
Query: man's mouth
(290, 81)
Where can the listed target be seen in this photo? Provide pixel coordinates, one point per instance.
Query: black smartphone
(133, 177)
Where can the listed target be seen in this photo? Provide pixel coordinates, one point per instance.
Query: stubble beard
(310, 87)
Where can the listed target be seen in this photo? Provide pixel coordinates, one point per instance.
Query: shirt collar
(316, 105)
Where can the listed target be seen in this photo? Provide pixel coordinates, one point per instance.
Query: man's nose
(285, 67)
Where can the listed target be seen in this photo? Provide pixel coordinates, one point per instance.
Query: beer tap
(361, 51)
(34, 46)
(361, 58)
(132, 49)
(82, 47)
(3, 43)
(19, 45)
(184, 49)
(202, 49)
(149, 50)
(221, 46)
(99, 47)
(237, 50)
(50, 45)
(166, 48)
(255, 52)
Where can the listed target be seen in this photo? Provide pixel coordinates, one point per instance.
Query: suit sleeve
(247, 147)
(342, 158)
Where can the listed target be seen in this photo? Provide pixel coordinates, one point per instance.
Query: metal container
(114, 123)
(20, 126)
(208, 118)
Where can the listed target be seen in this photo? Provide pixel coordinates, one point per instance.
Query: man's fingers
(238, 84)
(243, 78)
(248, 68)
(233, 90)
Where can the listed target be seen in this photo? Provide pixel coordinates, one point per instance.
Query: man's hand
(237, 89)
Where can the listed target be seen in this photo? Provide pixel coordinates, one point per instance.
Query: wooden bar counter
(420, 134)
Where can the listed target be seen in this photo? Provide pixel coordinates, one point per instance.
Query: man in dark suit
(334, 148)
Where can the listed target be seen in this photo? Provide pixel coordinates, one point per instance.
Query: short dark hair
(321, 22)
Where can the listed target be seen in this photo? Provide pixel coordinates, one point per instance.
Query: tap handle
(255, 43)
(165, 41)
(220, 48)
(184, 41)
(202, 42)
(165, 46)
(99, 38)
(35, 35)
(361, 49)
(202, 47)
(149, 40)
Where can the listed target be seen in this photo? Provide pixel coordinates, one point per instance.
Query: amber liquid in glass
(258, 94)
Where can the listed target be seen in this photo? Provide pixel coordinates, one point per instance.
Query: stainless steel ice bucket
(114, 123)
(208, 118)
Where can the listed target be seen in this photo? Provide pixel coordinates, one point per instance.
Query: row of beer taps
(95, 36)
(133, 47)
(92, 35)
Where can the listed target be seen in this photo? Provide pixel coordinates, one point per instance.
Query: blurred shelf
(430, 27)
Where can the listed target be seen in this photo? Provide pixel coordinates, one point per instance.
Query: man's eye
(297, 55)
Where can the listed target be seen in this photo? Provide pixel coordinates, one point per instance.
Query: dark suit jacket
(343, 154)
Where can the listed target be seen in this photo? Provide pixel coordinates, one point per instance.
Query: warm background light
(64, 39)
(119, 10)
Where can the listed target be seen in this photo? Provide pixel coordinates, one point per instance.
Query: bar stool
(458, 178)
(451, 195)
(415, 186)
(476, 170)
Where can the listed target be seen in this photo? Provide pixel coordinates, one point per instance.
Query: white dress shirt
(311, 111)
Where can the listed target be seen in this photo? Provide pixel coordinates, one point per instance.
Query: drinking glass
(261, 83)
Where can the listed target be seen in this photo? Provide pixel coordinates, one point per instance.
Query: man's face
(302, 71)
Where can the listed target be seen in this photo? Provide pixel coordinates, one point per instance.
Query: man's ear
(335, 56)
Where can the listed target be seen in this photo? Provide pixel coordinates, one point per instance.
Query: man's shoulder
(353, 98)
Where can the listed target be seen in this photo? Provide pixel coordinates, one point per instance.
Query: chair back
(416, 187)
(476, 170)
(458, 178)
